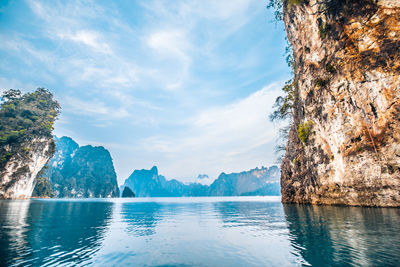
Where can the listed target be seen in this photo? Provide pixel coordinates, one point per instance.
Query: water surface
(231, 231)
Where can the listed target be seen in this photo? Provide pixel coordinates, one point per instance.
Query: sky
(183, 85)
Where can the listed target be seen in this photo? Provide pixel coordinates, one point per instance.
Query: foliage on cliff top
(24, 117)
(339, 9)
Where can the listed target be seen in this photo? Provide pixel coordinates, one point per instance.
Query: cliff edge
(26, 143)
(343, 146)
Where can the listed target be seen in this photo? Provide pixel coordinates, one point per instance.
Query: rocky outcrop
(343, 145)
(26, 142)
(85, 171)
(148, 183)
(127, 193)
(19, 173)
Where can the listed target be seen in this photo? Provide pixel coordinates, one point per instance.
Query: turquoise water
(231, 231)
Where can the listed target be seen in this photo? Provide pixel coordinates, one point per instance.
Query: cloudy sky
(184, 85)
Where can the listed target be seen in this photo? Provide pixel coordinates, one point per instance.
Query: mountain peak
(203, 179)
(154, 170)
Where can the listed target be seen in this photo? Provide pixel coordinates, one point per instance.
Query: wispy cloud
(90, 38)
(174, 84)
(94, 108)
(229, 138)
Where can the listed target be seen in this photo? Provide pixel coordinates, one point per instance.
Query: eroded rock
(347, 59)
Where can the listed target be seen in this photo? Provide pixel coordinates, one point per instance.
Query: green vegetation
(278, 5)
(294, 2)
(304, 131)
(42, 188)
(323, 29)
(24, 117)
(284, 104)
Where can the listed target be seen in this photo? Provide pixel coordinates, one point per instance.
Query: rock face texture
(18, 175)
(86, 171)
(347, 70)
(26, 142)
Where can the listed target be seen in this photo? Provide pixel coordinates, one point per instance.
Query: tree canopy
(23, 117)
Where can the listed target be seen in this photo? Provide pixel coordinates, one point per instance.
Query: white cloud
(90, 38)
(152, 72)
(6, 84)
(174, 46)
(171, 43)
(234, 137)
(94, 108)
(101, 65)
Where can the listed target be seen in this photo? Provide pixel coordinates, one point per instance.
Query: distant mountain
(148, 183)
(264, 181)
(203, 179)
(85, 171)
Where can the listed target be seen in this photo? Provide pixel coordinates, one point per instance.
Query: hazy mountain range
(258, 181)
(86, 171)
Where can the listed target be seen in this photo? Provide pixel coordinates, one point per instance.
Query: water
(238, 231)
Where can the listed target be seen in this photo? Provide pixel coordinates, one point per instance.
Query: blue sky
(184, 85)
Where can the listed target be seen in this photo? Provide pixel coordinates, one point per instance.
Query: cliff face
(343, 146)
(148, 183)
(84, 171)
(19, 173)
(26, 143)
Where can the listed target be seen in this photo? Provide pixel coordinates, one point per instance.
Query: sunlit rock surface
(347, 65)
(17, 178)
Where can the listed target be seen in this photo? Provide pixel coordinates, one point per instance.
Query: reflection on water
(45, 232)
(141, 217)
(236, 231)
(345, 236)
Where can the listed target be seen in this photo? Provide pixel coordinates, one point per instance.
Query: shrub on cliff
(304, 131)
(24, 117)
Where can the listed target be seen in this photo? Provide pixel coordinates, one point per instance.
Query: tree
(23, 118)
(11, 95)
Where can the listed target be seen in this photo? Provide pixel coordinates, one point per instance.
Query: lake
(228, 231)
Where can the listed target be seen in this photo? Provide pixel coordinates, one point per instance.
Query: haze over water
(229, 231)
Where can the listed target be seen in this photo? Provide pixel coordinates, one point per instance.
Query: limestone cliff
(18, 175)
(343, 145)
(26, 143)
(81, 171)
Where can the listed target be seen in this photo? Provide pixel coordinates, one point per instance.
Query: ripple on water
(242, 231)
